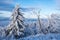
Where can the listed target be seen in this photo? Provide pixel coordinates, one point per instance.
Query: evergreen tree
(16, 26)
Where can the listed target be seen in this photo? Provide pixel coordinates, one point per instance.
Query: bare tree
(39, 28)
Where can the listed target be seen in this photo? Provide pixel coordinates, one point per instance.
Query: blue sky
(47, 7)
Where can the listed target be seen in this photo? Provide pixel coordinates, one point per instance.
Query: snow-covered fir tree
(16, 26)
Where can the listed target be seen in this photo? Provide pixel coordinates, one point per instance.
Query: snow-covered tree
(16, 25)
(54, 23)
(39, 25)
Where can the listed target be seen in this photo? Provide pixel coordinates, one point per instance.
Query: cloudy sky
(47, 7)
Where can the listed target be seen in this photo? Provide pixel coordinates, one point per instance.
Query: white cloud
(5, 14)
(26, 14)
(8, 1)
(33, 15)
(43, 16)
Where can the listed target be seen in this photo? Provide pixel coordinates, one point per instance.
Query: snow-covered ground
(37, 37)
(48, 36)
(43, 37)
